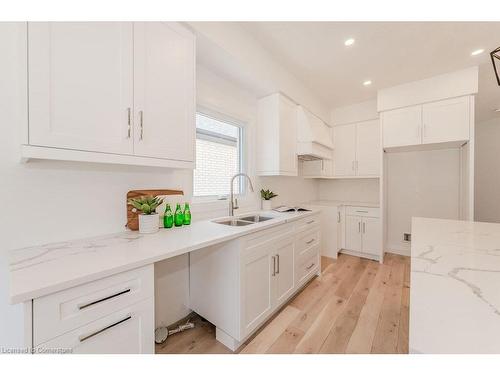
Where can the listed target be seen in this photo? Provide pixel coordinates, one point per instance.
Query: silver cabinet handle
(274, 266)
(141, 124)
(338, 217)
(278, 262)
(363, 212)
(129, 123)
(359, 226)
(310, 222)
(86, 337)
(84, 306)
(310, 241)
(311, 266)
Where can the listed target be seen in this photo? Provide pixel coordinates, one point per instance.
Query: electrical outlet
(407, 237)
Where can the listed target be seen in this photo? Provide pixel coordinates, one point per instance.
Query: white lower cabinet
(284, 271)
(363, 233)
(257, 281)
(238, 285)
(110, 315)
(353, 233)
(128, 331)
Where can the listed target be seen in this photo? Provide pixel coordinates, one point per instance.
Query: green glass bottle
(178, 216)
(168, 218)
(187, 214)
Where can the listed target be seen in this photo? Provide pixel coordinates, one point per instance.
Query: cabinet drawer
(307, 222)
(306, 254)
(127, 331)
(308, 267)
(362, 211)
(64, 311)
(306, 240)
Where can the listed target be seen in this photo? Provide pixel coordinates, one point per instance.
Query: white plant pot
(149, 223)
(266, 205)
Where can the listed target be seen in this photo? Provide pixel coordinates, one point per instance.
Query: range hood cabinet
(314, 137)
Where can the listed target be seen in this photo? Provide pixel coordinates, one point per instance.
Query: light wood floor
(355, 306)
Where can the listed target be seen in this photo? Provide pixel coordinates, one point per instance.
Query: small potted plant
(149, 220)
(266, 196)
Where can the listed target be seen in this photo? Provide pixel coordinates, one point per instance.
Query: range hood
(314, 137)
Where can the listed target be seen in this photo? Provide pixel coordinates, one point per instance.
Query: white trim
(359, 254)
(29, 152)
(450, 85)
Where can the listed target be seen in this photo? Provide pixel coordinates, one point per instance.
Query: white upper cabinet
(368, 148)
(446, 121)
(356, 153)
(276, 136)
(81, 85)
(124, 91)
(344, 153)
(357, 150)
(402, 127)
(164, 90)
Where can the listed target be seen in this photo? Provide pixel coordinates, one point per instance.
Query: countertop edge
(22, 297)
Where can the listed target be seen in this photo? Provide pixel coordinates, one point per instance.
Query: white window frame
(242, 125)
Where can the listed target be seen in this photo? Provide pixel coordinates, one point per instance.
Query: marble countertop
(454, 287)
(342, 203)
(41, 270)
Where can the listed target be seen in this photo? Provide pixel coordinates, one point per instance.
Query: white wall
(487, 171)
(420, 183)
(246, 61)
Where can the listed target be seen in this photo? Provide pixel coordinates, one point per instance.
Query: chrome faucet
(233, 205)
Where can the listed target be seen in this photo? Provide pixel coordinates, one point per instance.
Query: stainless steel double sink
(244, 220)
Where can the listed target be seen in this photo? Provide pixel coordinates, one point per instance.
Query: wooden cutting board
(132, 219)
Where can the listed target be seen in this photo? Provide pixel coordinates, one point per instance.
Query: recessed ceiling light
(367, 83)
(497, 110)
(477, 52)
(349, 42)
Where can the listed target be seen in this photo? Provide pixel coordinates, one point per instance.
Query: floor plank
(317, 333)
(404, 316)
(386, 335)
(339, 335)
(287, 342)
(272, 331)
(362, 337)
(355, 306)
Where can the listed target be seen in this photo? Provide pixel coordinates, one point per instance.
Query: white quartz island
(455, 287)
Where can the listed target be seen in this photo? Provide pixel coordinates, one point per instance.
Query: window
(218, 155)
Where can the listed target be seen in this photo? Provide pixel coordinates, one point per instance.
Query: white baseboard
(398, 250)
(359, 254)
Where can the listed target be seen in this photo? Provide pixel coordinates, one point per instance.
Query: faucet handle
(235, 206)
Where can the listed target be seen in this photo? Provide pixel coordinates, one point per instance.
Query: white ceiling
(387, 53)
